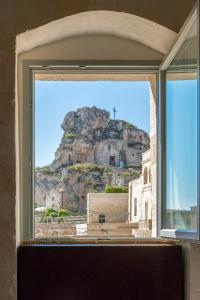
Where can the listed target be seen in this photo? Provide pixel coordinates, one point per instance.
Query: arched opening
(92, 36)
(145, 175)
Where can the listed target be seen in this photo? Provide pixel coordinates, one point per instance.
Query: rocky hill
(94, 151)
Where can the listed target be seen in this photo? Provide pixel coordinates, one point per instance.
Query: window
(146, 211)
(112, 160)
(85, 165)
(102, 219)
(150, 175)
(180, 164)
(145, 175)
(135, 207)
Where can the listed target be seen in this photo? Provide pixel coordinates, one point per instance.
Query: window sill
(178, 234)
(93, 242)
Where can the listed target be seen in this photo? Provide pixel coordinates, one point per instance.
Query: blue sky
(53, 99)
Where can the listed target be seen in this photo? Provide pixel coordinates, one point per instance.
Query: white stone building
(142, 191)
(141, 199)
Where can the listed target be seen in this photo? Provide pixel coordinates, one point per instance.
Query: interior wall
(17, 17)
(93, 47)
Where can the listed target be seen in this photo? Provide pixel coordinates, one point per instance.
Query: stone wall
(113, 205)
(107, 230)
(60, 227)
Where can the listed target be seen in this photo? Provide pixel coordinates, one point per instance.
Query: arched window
(146, 211)
(149, 175)
(135, 207)
(145, 174)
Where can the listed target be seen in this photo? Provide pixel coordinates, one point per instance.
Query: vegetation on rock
(88, 167)
(116, 189)
(46, 170)
(129, 125)
(70, 136)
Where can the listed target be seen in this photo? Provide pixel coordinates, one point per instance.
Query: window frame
(26, 133)
(164, 232)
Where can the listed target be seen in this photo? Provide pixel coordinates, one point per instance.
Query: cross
(114, 110)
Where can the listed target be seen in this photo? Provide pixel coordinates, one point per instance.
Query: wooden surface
(94, 272)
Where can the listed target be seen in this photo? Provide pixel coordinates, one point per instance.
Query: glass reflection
(181, 137)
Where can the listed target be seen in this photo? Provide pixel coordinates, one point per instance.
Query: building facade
(141, 199)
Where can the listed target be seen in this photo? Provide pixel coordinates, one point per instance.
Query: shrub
(64, 212)
(116, 189)
(54, 213)
(70, 136)
(51, 212)
(87, 167)
(129, 125)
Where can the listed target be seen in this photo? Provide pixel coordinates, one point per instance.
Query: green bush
(70, 136)
(64, 212)
(116, 189)
(87, 167)
(51, 212)
(54, 213)
(129, 125)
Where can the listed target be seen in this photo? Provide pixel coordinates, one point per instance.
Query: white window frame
(26, 123)
(164, 232)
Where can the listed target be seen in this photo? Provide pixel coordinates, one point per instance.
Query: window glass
(93, 139)
(181, 137)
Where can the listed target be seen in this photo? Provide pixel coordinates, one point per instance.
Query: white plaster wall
(136, 186)
(119, 24)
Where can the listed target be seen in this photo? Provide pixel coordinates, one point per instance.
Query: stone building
(107, 215)
(141, 199)
(143, 191)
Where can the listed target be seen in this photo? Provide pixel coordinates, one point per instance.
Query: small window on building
(145, 175)
(112, 160)
(146, 211)
(102, 218)
(149, 175)
(135, 207)
(109, 147)
(69, 157)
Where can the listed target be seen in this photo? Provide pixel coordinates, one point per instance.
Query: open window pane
(95, 156)
(181, 137)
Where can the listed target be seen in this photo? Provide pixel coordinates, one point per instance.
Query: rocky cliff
(94, 151)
